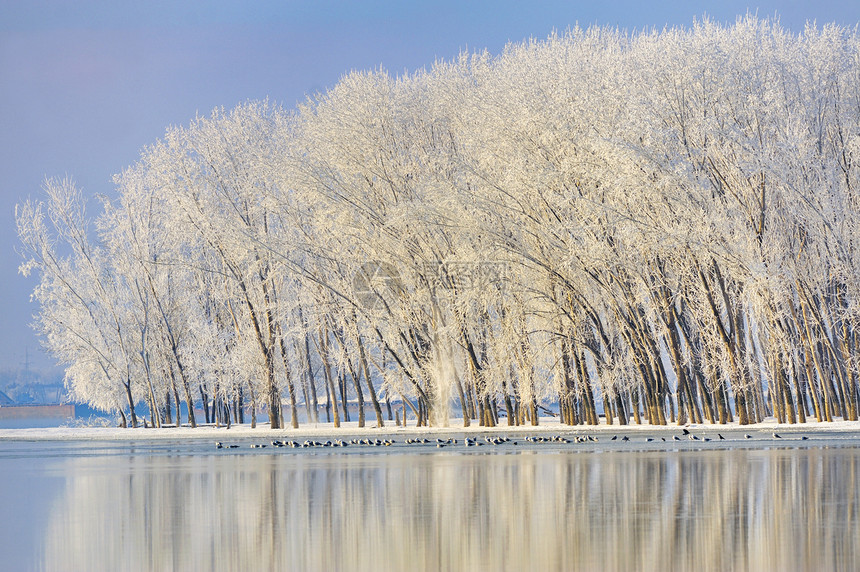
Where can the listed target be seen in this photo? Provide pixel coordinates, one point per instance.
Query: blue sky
(84, 85)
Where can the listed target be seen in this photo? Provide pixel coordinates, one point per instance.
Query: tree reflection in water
(740, 510)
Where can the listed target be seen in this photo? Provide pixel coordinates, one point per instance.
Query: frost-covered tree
(85, 318)
(657, 226)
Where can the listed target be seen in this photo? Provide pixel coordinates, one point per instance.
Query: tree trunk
(374, 399)
(127, 385)
(291, 388)
(330, 388)
(343, 395)
(204, 399)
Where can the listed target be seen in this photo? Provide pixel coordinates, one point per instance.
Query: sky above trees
(85, 86)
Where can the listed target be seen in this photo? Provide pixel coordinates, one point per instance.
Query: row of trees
(660, 226)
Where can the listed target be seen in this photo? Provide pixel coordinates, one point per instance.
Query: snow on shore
(836, 429)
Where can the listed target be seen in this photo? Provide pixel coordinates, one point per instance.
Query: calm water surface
(175, 506)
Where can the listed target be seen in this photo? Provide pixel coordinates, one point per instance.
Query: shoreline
(549, 426)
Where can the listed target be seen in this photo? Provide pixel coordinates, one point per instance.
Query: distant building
(5, 400)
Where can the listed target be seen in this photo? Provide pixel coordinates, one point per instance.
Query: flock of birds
(475, 441)
(311, 443)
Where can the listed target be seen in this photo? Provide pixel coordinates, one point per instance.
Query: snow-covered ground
(841, 430)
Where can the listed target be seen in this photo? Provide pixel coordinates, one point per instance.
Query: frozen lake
(180, 505)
